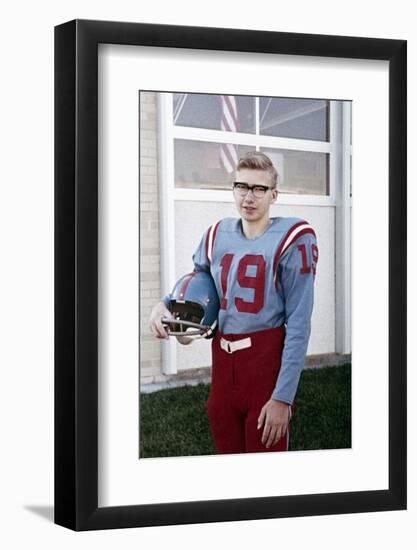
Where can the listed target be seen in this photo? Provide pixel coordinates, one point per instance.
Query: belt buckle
(225, 345)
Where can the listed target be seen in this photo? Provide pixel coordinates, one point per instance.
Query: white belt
(231, 347)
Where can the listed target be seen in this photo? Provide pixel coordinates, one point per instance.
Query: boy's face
(251, 208)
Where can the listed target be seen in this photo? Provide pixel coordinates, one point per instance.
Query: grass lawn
(174, 421)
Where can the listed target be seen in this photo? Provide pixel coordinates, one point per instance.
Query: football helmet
(194, 304)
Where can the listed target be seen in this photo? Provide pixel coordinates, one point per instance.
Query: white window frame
(343, 219)
(338, 148)
(255, 140)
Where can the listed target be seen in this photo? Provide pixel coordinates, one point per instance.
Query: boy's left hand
(275, 417)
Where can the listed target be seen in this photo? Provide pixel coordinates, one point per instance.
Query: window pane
(202, 165)
(294, 118)
(208, 111)
(301, 172)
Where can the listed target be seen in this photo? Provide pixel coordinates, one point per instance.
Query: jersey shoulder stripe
(211, 237)
(301, 228)
(295, 232)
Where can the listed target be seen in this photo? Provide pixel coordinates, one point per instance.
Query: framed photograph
(157, 129)
(197, 142)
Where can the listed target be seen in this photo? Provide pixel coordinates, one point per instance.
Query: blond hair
(255, 160)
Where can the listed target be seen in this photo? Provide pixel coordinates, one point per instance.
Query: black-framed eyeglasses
(243, 189)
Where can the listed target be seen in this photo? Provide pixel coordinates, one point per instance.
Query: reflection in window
(294, 118)
(202, 165)
(207, 165)
(300, 172)
(215, 112)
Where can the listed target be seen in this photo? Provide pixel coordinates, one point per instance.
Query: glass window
(215, 112)
(300, 172)
(294, 118)
(202, 165)
(206, 165)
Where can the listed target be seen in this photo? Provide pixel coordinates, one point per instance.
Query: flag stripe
(230, 154)
(227, 164)
(231, 103)
(229, 122)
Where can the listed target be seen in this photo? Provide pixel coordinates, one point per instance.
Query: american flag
(230, 123)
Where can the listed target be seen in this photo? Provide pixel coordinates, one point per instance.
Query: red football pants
(242, 382)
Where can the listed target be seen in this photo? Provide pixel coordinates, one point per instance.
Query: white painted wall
(26, 229)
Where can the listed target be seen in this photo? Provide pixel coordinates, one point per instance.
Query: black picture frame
(76, 272)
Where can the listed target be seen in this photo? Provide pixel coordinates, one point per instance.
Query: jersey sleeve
(200, 257)
(296, 274)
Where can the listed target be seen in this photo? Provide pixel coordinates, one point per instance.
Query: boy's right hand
(155, 324)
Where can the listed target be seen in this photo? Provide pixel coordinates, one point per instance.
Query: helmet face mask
(187, 319)
(194, 306)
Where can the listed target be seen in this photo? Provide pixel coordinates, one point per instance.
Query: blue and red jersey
(263, 283)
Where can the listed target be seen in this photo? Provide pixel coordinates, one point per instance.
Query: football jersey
(264, 282)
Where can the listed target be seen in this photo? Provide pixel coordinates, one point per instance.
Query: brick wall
(150, 292)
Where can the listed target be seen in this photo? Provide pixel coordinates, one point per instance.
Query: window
(211, 132)
(300, 172)
(198, 164)
(206, 111)
(294, 118)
